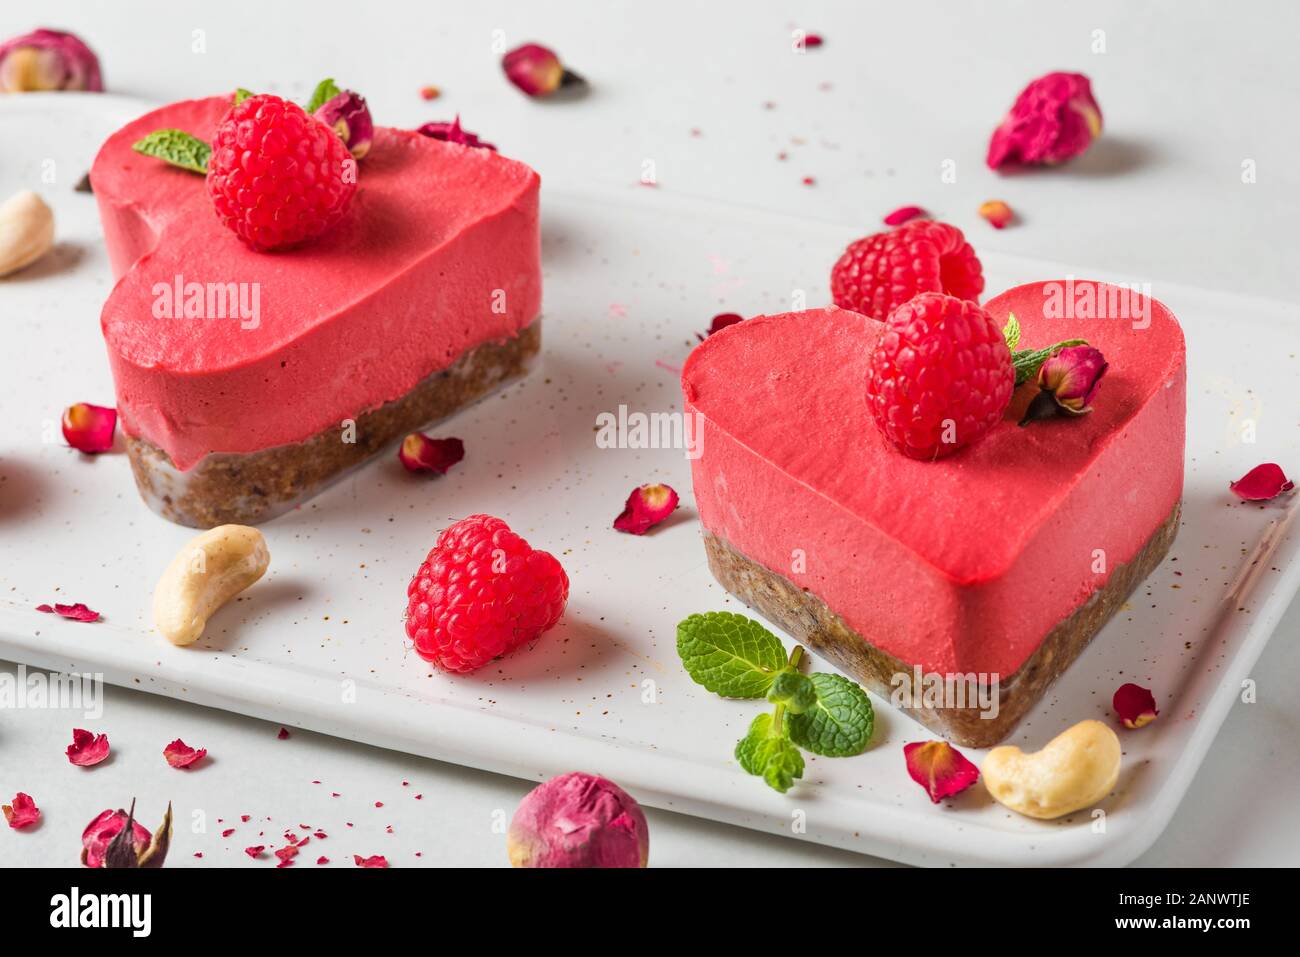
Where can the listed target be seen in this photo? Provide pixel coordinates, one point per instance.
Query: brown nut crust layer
(244, 489)
(813, 623)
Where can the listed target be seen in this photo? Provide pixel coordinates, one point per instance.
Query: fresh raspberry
(940, 375)
(481, 593)
(277, 176)
(879, 272)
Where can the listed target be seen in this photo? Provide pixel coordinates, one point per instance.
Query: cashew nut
(1077, 768)
(209, 571)
(26, 231)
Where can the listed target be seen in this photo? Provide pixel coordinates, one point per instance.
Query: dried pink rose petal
(1262, 483)
(283, 734)
(720, 322)
(100, 832)
(646, 507)
(812, 41)
(1053, 119)
(77, 612)
(348, 115)
(23, 812)
(939, 768)
(453, 133)
(419, 453)
(378, 860)
(89, 428)
(48, 60)
(87, 749)
(536, 70)
(996, 212)
(904, 214)
(430, 92)
(181, 755)
(255, 851)
(1135, 705)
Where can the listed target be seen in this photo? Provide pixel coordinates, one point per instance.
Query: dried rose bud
(903, 214)
(1068, 381)
(419, 453)
(1053, 119)
(89, 428)
(939, 768)
(115, 840)
(996, 212)
(1262, 483)
(22, 813)
(48, 60)
(453, 133)
(536, 70)
(578, 820)
(646, 507)
(1135, 705)
(349, 117)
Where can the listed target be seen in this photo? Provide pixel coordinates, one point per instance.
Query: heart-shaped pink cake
(990, 568)
(247, 380)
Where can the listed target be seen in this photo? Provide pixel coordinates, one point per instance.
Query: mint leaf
(797, 692)
(767, 752)
(176, 147)
(325, 91)
(1027, 361)
(1011, 331)
(839, 724)
(729, 654)
(241, 95)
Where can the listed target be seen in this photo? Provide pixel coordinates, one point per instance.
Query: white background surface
(896, 91)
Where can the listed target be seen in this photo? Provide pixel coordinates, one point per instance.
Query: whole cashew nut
(209, 571)
(1077, 768)
(26, 231)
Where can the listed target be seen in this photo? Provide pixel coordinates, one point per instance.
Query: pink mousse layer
(438, 253)
(960, 565)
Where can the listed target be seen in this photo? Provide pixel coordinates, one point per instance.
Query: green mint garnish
(325, 91)
(241, 95)
(797, 692)
(767, 752)
(1011, 331)
(730, 655)
(1027, 361)
(176, 147)
(840, 723)
(737, 657)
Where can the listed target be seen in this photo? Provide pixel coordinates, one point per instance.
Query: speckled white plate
(630, 279)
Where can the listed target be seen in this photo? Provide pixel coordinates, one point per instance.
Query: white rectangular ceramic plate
(630, 280)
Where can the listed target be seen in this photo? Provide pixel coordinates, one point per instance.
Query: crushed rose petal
(322, 859)
(23, 812)
(904, 214)
(283, 734)
(89, 428)
(721, 321)
(377, 860)
(1055, 118)
(181, 755)
(453, 133)
(77, 612)
(100, 832)
(812, 41)
(996, 212)
(1135, 705)
(287, 853)
(255, 851)
(646, 507)
(1262, 483)
(536, 70)
(86, 748)
(939, 768)
(419, 453)
(430, 92)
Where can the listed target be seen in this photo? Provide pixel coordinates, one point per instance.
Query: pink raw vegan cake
(421, 299)
(999, 561)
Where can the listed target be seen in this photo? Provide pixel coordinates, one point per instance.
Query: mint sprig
(241, 95)
(177, 148)
(737, 657)
(325, 91)
(730, 655)
(1027, 362)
